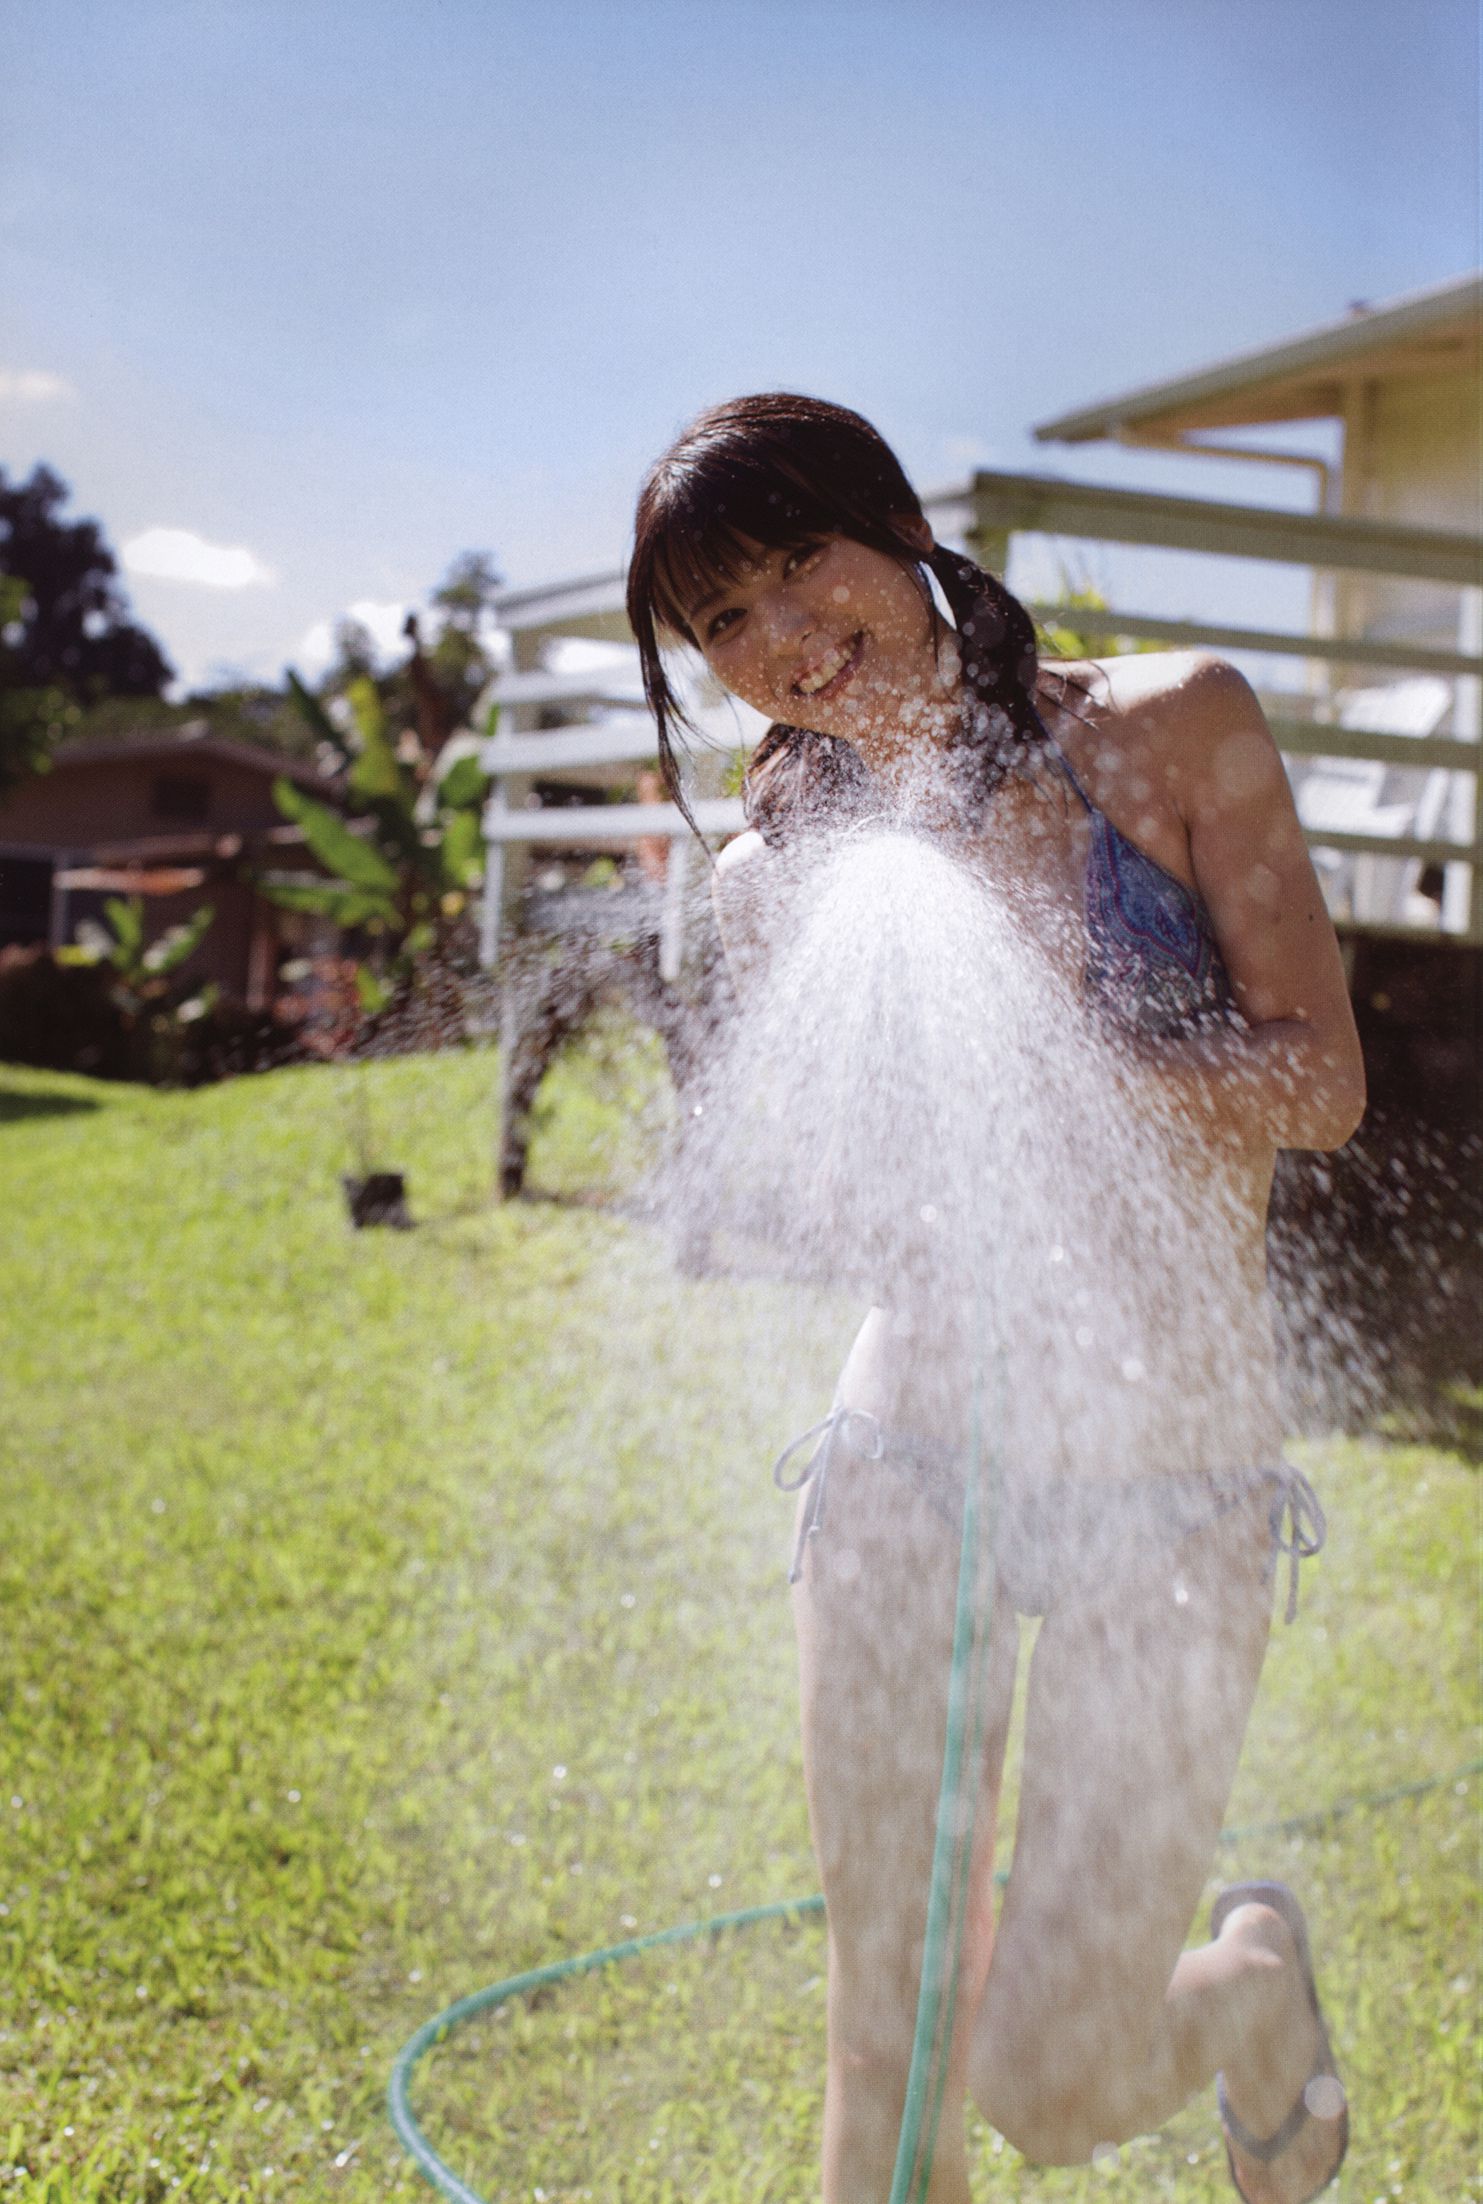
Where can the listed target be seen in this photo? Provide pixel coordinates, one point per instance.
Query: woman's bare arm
(1295, 1077)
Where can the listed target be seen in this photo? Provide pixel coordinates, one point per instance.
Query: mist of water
(914, 1104)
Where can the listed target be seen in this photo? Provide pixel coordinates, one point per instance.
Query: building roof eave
(173, 750)
(1300, 378)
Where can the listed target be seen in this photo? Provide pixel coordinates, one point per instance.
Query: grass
(384, 1614)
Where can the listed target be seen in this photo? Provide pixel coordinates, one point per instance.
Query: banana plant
(142, 967)
(143, 987)
(402, 866)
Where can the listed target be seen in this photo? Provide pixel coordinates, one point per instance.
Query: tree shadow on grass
(44, 1102)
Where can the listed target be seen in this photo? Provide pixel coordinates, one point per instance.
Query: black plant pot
(380, 1198)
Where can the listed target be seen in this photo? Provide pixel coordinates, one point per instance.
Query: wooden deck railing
(989, 512)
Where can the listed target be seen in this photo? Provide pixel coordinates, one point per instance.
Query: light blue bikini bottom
(1058, 1538)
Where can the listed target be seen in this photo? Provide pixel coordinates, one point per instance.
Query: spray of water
(915, 1104)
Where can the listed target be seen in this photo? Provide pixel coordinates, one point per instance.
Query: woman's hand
(744, 888)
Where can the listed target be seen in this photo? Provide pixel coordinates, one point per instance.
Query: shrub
(66, 1016)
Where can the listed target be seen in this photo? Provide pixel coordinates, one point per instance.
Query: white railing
(1341, 767)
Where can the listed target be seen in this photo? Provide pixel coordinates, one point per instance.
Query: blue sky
(347, 289)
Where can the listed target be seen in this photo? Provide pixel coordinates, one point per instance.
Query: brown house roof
(176, 749)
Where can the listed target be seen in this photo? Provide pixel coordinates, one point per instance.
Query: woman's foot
(1284, 2114)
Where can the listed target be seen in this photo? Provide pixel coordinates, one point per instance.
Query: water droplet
(627, 1600)
(1324, 2097)
(1181, 1595)
(1133, 1370)
(627, 1920)
(559, 1773)
(714, 1881)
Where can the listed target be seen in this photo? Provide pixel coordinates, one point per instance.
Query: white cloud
(32, 386)
(382, 622)
(180, 555)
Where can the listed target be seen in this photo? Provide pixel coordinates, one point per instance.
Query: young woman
(1139, 812)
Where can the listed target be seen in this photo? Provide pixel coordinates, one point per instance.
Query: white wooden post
(491, 906)
(672, 911)
(1462, 890)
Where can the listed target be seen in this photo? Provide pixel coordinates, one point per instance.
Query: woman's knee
(1055, 2099)
(1051, 2127)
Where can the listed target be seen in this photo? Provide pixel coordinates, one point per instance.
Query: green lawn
(384, 1614)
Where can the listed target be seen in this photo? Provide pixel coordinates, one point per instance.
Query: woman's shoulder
(1148, 683)
(1170, 710)
(1159, 738)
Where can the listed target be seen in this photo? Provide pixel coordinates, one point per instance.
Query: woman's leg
(1095, 2025)
(874, 1612)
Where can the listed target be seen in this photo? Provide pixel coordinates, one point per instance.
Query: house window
(182, 798)
(25, 900)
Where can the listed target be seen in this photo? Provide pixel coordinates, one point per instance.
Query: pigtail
(1001, 667)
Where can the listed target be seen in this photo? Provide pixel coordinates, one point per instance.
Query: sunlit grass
(384, 1614)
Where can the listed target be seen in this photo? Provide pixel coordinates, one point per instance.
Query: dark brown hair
(778, 470)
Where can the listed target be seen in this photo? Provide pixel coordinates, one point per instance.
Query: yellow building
(1396, 392)
(1404, 384)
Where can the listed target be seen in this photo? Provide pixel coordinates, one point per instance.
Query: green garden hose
(433, 2031)
(952, 1856)
(957, 1803)
(442, 2025)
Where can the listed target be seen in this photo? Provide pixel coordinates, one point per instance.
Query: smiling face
(829, 635)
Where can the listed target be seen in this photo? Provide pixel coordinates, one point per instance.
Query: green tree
(66, 640)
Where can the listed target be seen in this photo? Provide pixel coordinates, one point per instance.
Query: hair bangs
(716, 514)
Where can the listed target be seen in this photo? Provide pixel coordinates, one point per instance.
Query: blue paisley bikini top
(1153, 961)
